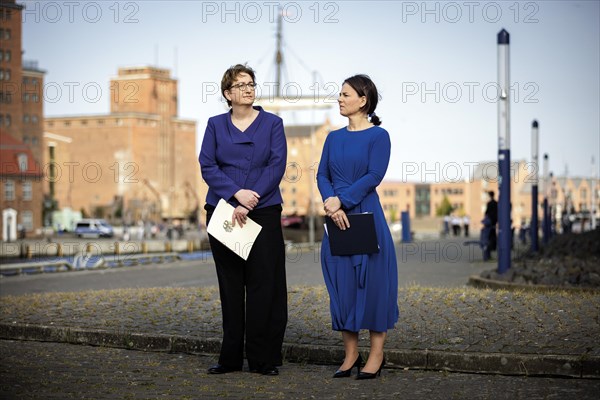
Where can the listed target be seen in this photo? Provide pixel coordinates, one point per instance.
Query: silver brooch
(227, 226)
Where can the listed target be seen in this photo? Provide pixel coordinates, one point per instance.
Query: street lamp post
(504, 225)
(546, 213)
(534, 186)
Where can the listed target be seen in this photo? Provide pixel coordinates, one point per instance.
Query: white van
(93, 228)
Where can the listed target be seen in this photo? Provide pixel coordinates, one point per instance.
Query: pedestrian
(490, 220)
(447, 220)
(456, 225)
(363, 289)
(243, 159)
(466, 220)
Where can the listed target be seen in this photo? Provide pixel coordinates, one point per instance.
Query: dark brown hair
(231, 74)
(364, 86)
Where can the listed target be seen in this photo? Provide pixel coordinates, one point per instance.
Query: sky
(435, 65)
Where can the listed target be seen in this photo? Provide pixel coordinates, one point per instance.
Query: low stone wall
(71, 247)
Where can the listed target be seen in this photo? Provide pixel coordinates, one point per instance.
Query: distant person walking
(363, 288)
(466, 220)
(488, 233)
(243, 159)
(456, 225)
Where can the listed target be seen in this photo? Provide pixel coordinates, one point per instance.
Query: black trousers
(253, 294)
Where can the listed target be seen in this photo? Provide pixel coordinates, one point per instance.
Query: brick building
(139, 162)
(21, 198)
(21, 114)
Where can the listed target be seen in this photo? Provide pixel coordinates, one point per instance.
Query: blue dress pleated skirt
(363, 289)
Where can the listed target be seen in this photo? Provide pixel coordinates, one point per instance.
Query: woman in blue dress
(363, 289)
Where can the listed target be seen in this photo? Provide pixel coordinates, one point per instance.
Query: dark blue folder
(360, 238)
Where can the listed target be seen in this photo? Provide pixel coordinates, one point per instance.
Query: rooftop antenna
(278, 55)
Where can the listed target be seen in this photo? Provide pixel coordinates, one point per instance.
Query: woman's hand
(240, 215)
(331, 205)
(247, 198)
(341, 219)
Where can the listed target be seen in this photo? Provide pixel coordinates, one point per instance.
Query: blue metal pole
(546, 223)
(406, 235)
(533, 226)
(504, 224)
(534, 219)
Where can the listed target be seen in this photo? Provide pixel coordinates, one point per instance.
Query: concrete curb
(484, 283)
(486, 363)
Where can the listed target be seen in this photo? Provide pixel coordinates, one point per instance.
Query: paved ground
(33, 370)
(175, 308)
(444, 263)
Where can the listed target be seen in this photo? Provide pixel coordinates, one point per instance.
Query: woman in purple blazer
(243, 159)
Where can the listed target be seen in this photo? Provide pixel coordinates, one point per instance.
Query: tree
(445, 208)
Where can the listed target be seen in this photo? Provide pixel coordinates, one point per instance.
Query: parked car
(93, 228)
(292, 221)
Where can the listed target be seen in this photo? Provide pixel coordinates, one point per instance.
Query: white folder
(237, 239)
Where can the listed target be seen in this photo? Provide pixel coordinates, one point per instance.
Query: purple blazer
(255, 159)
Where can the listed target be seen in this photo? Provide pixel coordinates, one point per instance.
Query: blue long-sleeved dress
(363, 289)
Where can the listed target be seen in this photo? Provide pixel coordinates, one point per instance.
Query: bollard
(29, 252)
(144, 248)
(190, 246)
(117, 249)
(59, 250)
(406, 234)
(168, 247)
(88, 248)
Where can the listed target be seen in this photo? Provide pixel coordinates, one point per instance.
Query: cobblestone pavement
(438, 328)
(453, 328)
(42, 370)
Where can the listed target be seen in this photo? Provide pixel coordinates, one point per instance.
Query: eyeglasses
(244, 86)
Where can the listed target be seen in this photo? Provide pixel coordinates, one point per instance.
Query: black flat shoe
(271, 371)
(221, 369)
(371, 375)
(345, 374)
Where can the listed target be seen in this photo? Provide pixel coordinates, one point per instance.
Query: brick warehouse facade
(139, 162)
(21, 123)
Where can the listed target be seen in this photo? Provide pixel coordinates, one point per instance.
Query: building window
(34, 141)
(67, 123)
(7, 120)
(22, 161)
(27, 220)
(583, 194)
(35, 98)
(26, 139)
(34, 119)
(9, 190)
(7, 55)
(26, 98)
(27, 192)
(26, 118)
(34, 81)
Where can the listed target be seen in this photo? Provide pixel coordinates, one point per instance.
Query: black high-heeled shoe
(371, 375)
(345, 374)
